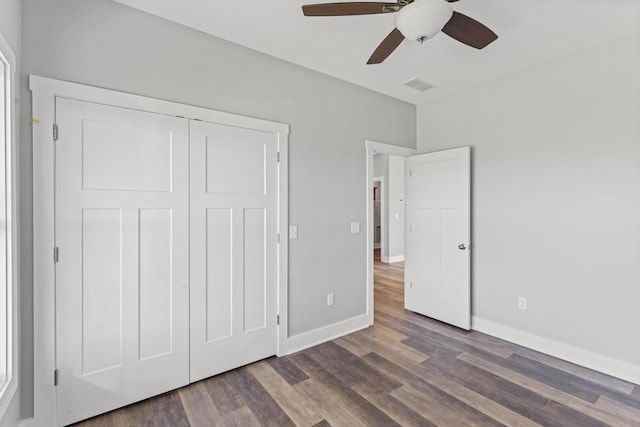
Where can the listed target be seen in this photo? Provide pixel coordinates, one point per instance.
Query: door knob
(462, 247)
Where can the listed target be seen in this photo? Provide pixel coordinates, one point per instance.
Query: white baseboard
(391, 259)
(608, 365)
(326, 333)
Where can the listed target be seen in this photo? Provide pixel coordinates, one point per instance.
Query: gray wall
(395, 204)
(10, 30)
(10, 23)
(103, 43)
(556, 196)
(392, 169)
(381, 170)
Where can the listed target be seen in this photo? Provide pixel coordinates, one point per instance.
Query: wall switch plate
(355, 227)
(522, 303)
(293, 232)
(330, 299)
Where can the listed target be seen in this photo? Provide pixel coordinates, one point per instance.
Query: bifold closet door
(122, 276)
(233, 247)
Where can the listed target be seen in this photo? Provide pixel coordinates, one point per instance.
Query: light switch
(293, 232)
(355, 227)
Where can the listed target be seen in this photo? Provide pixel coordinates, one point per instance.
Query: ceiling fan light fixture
(423, 19)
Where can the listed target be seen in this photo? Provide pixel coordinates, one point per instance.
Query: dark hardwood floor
(405, 370)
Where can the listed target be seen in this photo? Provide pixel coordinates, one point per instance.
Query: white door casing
(437, 260)
(122, 275)
(234, 203)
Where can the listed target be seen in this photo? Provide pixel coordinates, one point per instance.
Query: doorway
(437, 269)
(372, 149)
(379, 210)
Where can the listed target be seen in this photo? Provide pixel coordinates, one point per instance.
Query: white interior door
(121, 226)
(233, 247)
(437, 259)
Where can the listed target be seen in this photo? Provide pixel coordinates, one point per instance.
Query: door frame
(373, 147)
(44, 92)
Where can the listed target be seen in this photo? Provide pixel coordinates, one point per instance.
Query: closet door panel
(122, 277)
(233, 247)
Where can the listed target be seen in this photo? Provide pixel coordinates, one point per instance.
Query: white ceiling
(531, 32)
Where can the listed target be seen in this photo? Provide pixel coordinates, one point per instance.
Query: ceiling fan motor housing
(423, 19)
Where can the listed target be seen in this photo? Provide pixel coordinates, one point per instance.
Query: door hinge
(410, 229)
(278, 319)
(56, 254)
(278, 238)
(55, 131)
(55, 377)
(410, 285)
(410, 172)
(278, 156)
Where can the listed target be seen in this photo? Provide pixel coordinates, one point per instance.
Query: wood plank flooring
(406, 370)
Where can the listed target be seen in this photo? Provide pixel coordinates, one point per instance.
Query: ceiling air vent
(417, 84)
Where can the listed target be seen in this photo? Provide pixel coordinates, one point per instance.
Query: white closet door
(233, 247)
(121, 225)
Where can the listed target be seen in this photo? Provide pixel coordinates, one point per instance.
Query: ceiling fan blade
(388, 45)
(468, 31)
(342, 9)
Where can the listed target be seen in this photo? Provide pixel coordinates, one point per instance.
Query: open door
(437, 258)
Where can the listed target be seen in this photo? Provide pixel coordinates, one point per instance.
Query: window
(7, 282)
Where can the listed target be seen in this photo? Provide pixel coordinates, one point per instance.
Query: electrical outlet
(329, 299)
(355, 227)
(293, 231)
(522, 303)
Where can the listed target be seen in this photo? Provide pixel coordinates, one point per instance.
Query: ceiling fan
(417, 19)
